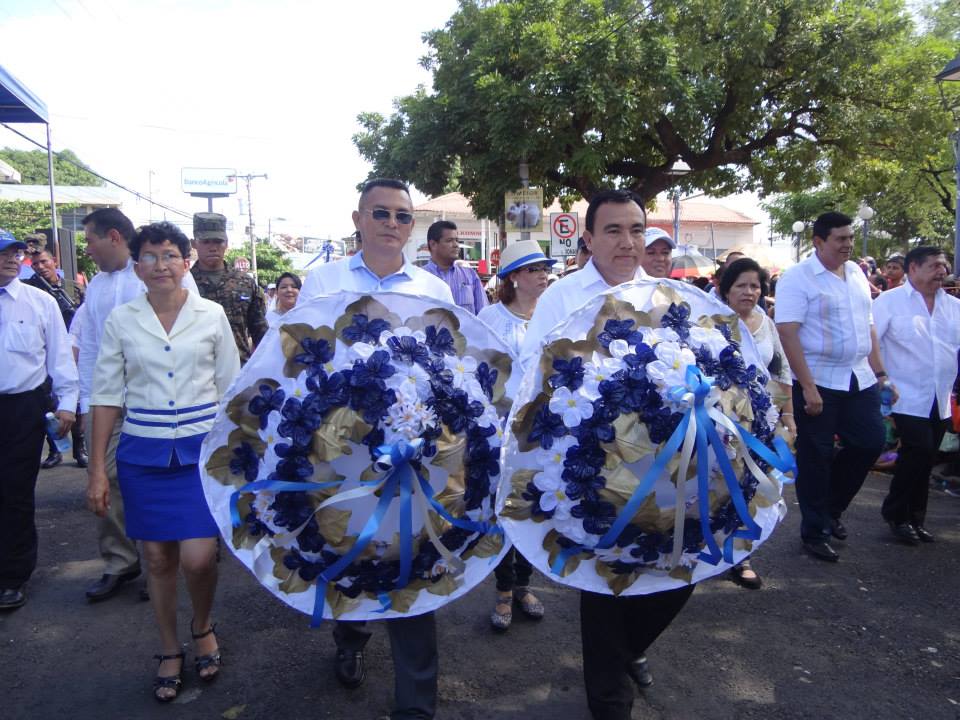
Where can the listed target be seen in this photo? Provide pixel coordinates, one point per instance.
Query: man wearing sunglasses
(384, 219)
(444, 245)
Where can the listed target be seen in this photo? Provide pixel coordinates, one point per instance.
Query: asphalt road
(875, 636)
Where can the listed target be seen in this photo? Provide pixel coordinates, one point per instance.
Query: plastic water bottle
(62, 444)
(886, 399)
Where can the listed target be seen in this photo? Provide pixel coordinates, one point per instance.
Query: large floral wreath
(645, 388)
(353, 469)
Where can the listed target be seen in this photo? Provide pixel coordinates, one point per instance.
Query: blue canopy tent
(19, 105)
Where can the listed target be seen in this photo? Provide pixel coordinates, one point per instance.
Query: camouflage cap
(35, 242)
(209, 226)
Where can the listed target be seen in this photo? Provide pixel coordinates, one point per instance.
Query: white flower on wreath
(407, 421)
(558, 501)
(571, 406)
(619, 348)
(464, 375)
(360, 351)
(709, 338)
(596, 370)
(772, 416)
(402, 331)
(410, 381)
(655, 336)
(670, 367)
(551, 461)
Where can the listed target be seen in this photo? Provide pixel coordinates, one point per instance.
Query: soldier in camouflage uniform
(237, 292)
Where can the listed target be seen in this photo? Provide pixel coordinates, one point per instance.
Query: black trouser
(413, 643)
(513, 571)
(919, 441)
(22, 429)
(615, 631)
(827, 481)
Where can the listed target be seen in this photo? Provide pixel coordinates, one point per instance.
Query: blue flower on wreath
(661, 423)
(326, 392)
(648, 547)
(487, 377)
(440, 341)
(597, 515)
(316, 353)
(407, 348)
(368, 392)
(677, 318)
(455, 408)
(726, 519)
(733, 370)
(293, 464)
(299, 422)
(265, 403)
(362, 329)
(254, 527)
(639, 394)
(309, 539)
(546, 427)
(707, 362)
(569, 373)
(428, 556)
(597, 428)
(292, 509)
(480, 462)
(245, 462)
(619, 330)
(306, 568)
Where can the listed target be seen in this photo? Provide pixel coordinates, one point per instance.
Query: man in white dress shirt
(616, 631)
(107, 232)
(384, 219)
(918, 326)
(826, 327)
(35, 345)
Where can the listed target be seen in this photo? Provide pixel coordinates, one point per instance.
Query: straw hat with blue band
(8, 240)
(521, 253)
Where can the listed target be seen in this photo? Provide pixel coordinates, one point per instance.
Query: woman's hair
(297, 283)
(155, 234)
(737, 268)
(506, 292)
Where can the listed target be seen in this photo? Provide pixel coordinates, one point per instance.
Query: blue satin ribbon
(706, 436)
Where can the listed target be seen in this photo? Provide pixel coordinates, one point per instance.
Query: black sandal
(202, 662)
(169, 681)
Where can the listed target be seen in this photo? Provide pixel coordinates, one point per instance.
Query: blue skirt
(164, 503)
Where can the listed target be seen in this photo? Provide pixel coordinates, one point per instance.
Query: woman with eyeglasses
(288, 290)
(742, 285)
(523, 278)
(168, 357)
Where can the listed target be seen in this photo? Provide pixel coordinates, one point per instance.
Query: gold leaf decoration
(446, 585)
(632, 441)
(663, 297)
(620, 486)
(523, 422)
(440, 318)
(242, 539)
(402, 600)
(617, 582)
(682, 573)
(450, 449)
(290, 338)
(488, 546)
(291, 582)
(503, 364)
(451, 497)
(218, 466)
(333, 524)
(338, 602)
(340, 425)
(551, 545)
(368, 306)
(238, 408)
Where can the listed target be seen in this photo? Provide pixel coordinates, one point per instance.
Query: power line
(59, 156)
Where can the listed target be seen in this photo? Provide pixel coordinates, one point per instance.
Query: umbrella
(692, 266)
(763, 255)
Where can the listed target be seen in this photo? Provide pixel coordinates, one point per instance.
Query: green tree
(598, 93)
(271, 262)
(32, 165)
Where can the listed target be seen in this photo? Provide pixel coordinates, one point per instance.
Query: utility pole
(253, 238)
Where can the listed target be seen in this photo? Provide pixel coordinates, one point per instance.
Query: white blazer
(171, 384)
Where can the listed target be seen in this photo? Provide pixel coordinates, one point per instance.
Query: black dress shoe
(639, 672)
(82, 459)
(349, 669)
(108, 585)
(838, 530)
(904, 532)
(821, 550)
(52, 460)
(12, 599)
(924, 534)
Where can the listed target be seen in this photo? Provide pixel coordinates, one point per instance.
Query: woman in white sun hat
(524, 271)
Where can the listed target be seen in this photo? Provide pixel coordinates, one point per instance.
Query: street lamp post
(253, 238)
(798, 227)
(951, 73)
(677, 170)
(866, 214)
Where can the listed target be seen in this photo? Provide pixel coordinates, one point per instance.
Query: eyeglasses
(537, 268)
(16, 254)
(168, 259)
(381, 215)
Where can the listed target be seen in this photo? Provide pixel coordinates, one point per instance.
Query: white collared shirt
(171, 383)
(919, 348)
(106, 291)
(35, 344)
(560, 300)
(354, 275)
(835, 319)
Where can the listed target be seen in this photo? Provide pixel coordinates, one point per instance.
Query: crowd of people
(155, 343)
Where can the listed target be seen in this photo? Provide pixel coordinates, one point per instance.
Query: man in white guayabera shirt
(616, 631)
(384, 219)
(107, 232)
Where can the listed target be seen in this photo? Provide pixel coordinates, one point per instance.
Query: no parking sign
(564, 230)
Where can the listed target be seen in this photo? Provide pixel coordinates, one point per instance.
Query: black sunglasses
(381, 215)
(538, 268)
